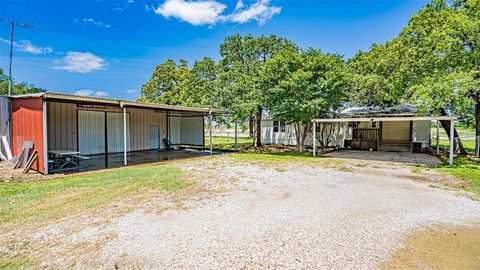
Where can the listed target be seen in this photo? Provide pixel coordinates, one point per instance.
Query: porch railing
(370, 135)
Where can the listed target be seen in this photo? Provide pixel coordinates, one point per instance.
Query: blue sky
(110, 48)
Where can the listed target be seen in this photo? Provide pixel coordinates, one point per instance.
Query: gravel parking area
(286, 217)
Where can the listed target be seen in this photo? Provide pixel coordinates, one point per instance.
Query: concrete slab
(398, 157)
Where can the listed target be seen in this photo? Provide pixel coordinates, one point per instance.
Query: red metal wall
(27, 125)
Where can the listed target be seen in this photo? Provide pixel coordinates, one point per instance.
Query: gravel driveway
(287, 217)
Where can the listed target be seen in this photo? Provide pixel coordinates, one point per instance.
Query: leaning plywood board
(2, 157)
(30, 162)
(7, 148)
(27, 145)
(20, 160)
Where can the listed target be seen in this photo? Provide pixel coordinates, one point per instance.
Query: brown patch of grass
(439, 248)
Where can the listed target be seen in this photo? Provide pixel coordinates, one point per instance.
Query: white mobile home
(364, 128)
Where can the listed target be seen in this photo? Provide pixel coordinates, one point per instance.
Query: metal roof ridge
(119, 102)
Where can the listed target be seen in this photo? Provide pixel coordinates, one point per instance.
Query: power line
(32, 64)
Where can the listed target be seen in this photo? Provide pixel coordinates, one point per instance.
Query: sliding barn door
(91, 132)
(115, 132)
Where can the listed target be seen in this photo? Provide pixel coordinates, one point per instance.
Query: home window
(353, 124)
(278, 126)
(282, 126)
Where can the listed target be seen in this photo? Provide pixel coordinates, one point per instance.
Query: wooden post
(236, 135)
(452, 141)
(438, 139)
(210, 133)
(314, 138)
(125, 136)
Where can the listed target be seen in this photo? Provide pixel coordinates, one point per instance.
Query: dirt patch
(439, 248)
(8, 174)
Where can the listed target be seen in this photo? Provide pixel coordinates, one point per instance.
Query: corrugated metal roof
(362, 111)
(118, 102)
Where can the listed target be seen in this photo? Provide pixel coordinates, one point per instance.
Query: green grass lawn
(469, 145)
(462, 132)
(467, 169)
(228, 143)
(39, 202)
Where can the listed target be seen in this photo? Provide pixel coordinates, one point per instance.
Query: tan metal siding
(62, 127)
(421, 131)
(4, 117)
(396, 131)
(174, 129)
(140, 122)
(191, 131)
(91, 132)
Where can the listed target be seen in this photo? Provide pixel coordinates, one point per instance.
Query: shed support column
(236, 135)
(452, 141)
(314, 138)
(125, 136)
(45, 139)
(438, 144)
(210, 131)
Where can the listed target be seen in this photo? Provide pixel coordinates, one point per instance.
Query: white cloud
(90, 21)
(239, 5)
(260, 12)
(101, 94)
(90, 93)
(131, 91)
(84, 92)
(210, 12)
(193, 12)
(27, 46)
(81, 62)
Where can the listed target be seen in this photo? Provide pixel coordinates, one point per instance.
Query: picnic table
(65, 160)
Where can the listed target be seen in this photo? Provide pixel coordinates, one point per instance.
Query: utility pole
(10, 66)
(13, 23)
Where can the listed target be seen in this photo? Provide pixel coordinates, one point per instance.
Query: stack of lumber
(25, 160)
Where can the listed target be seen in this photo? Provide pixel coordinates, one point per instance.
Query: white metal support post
(314, 138)
(210, 131)
(452, 141)
(438, 139)
(45, 138)
(125, 136)
(236, 135)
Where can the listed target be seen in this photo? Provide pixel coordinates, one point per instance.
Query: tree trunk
(477, 125)
(250, 127)
(446, 127)
(298, 136)
(257, 140)
(301, 134)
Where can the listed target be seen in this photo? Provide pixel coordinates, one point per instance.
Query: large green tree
(443, 60)
(201, 85)
(304, 85)
(167, 84)
(177, 84)
(240, 78)
(433, 63)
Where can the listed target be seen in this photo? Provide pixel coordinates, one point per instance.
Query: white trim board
(384, 119)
